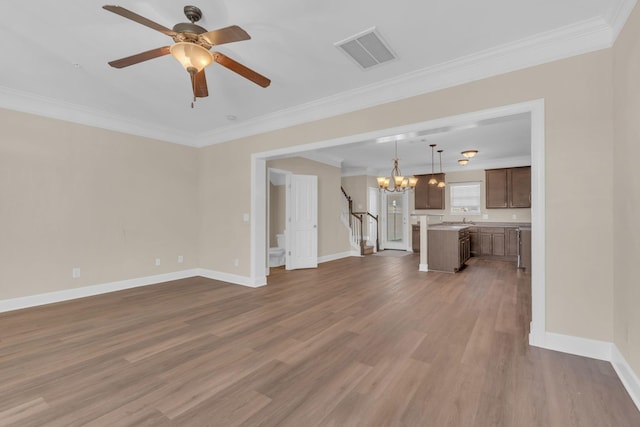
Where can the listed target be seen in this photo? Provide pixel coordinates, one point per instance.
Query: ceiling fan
(191, 48)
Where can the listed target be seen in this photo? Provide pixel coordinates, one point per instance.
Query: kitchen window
(465, 198)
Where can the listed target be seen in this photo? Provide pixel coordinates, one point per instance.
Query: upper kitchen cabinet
(429, 196)
(508, 188)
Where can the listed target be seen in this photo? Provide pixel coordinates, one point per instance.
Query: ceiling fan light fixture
(191, 56)
(469, 153)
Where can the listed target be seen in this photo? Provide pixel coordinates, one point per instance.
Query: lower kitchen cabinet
(525, 249)
(496, 242)
(511, 242)
(415, 237)
(474, 239)
(448, 250)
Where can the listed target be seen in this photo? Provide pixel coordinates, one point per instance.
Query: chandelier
(396, 182)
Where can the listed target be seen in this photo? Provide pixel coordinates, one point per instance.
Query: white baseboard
(334, 257)
(594, 349)
(601, 350)
(87, 291)
(232, 278)
(627, 376)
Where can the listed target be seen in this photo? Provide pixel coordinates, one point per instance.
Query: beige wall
(356, 188)
(626, 190)
(76, 196)
(578, 113)
(495, 215)
(333, 236)
(277, 213)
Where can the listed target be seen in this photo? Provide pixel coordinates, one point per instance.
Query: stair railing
(357, 219)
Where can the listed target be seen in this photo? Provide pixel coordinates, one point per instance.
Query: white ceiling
(55, 58)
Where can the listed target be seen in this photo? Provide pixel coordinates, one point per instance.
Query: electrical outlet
(485, 216)
(236, 262)
(75, 273)
(180, 259)
(157, 261)
(514, 216)
(245, 217)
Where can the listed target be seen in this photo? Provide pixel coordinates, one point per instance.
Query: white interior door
(302, 221)
(395, 213)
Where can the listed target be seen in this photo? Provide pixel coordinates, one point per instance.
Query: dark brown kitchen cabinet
(447, 249)
(511, 242)
(508, 188)
(429, 196)
(474, 242)
(525, 249)
(415, 237)
(493, 242)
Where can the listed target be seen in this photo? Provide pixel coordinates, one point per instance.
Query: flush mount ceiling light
(463, 162)
(396, 182)
(469, 153)
(441, 184)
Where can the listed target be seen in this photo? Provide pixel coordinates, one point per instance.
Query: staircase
(354, 221)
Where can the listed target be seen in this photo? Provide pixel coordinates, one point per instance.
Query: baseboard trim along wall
(594, 349)
(231, 278)
(87, 291)
(601, 350)
(334, 257)
(627, 376)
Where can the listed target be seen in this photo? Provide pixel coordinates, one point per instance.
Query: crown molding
(26, 102)
(583, 37)
(617, 16)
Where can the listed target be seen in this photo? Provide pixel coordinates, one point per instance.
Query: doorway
(535, 108)
(395, 220)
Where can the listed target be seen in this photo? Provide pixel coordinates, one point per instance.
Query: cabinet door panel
(498, 244)
(486, 244)
(427, 196)
(421, 192)
(496, 188)
(511, 242)
(520, 187)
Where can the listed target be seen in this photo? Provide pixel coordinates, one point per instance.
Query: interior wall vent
(367, 48)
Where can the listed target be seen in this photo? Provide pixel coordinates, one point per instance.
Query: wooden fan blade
(140, 57)
(199, 84)
(236, 67)
(225, 35)
(118, 10)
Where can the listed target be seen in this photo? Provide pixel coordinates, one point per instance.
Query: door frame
(404, 246)
(536, 109)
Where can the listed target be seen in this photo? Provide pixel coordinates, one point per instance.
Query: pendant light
(432, 180)
(441, 184)
(396, 182)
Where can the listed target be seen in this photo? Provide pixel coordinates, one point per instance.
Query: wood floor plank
(363, 341)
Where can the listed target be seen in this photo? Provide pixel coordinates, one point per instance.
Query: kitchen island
(451, 244)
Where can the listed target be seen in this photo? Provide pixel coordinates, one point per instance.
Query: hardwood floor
(357, 342)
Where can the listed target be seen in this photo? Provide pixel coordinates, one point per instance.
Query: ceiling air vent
(367, 49)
